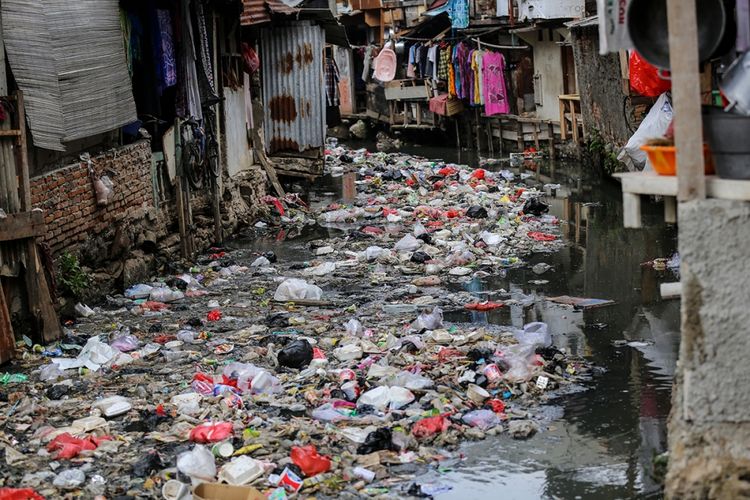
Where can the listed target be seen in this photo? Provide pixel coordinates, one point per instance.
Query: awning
(69, 60)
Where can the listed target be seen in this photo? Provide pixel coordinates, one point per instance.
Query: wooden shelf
(635, 184)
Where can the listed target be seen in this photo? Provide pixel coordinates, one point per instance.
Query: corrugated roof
(254, 12)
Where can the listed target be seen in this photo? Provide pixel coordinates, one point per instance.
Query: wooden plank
(7, 340)
(43, 315)
(267, 165)
(22, 226)
(418, 92)
(10, 133)
(22, 155)
(686, 99)
(631, 207)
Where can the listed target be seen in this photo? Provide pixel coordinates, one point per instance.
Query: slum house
(299, 86)
(137, 141)
(538, 89)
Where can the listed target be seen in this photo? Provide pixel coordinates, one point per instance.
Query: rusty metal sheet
(293, 87)
(254, 12)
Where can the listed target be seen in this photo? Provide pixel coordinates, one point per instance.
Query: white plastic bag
(655, 125)
(198, 464)
(297, 289)
(408, 244)
(429, 321)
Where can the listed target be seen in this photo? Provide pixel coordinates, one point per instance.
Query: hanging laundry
(476, 67)
(458, 11)
(168, 60)
(411, 67)
(445, 62)
(332, 82)
(495, 95)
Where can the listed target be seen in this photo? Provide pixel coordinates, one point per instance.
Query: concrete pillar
(709, 434)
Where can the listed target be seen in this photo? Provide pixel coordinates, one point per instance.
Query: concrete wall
(600, 87)
(709, 431)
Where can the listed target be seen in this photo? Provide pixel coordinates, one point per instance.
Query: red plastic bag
(497, 406)
(250, 59)
(645, 79)
(484, 306)
(309, 460)
(537, 236)
(214, 315)
(430, 426)
(19, 494)
(69, 447)
(211, 432)
(478, 174)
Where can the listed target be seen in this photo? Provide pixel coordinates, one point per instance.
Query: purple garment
(463, 64)
(495, 95)
(168, 61)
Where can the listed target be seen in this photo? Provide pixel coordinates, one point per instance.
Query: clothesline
(493, 46)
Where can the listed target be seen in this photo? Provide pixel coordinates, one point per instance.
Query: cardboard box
(216, 491)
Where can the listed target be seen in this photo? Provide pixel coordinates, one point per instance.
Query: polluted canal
(409, 327)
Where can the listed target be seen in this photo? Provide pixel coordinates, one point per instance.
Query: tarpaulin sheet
(69, 59)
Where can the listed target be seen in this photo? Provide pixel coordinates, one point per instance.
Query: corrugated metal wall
(293, 87)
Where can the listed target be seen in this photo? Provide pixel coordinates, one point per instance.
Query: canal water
(600, 441)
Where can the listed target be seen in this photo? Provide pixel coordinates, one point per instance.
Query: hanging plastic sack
(654, 125)
(644, 77)
(104, 190)
(250, 59)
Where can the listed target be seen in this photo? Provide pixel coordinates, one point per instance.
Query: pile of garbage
(334, 374)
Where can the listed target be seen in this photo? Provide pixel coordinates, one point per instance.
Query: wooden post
(218, 230)
(520, 138)
(551, 139)
(686, 99)
(7, 341)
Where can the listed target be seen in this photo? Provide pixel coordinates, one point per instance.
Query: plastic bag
(384, 397)
(296, 354)
(353, 327)
(166, 295)
(377, 440)
(484, 419)
(654, 125)
(535, 334)
(211, 432)
(104, 190)
(297, 289)
(429, 321)
(138, 291)
(19, 494)
(126, 343)
(408, 244)
(250, 59)
(199, 464)
(645, 79)
(476, 212)
(430, 426)
(521, 363)
(309, 460)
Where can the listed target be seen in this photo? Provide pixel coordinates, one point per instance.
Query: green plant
(71, 278)
(606, 156)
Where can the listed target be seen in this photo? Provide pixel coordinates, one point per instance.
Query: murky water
(597, 443)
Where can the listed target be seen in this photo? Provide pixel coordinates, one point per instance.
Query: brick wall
(68, 199)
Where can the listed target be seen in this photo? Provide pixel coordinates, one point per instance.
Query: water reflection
(604, 442)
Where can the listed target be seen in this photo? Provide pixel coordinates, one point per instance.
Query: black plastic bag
(297, 354)
(535, 206)
(477, 212)
(420, 257)
(381, 439)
